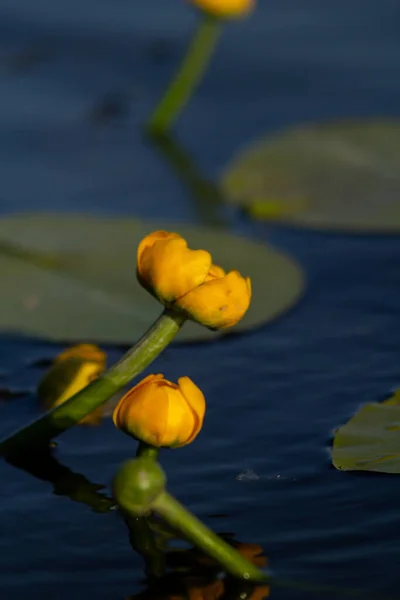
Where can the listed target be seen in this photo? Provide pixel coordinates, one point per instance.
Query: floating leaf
(370, 441)
(72, 277)
(342, 176)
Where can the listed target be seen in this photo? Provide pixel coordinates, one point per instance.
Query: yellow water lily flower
(73, 369)
(162, 413)
(188, 281)
(225, 9)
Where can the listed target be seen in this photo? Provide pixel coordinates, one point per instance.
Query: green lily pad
(370, 441)
(342, 175)
(72, 277)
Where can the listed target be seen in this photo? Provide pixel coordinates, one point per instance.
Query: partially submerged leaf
(370, 441)
(342, 176)
(72, 277)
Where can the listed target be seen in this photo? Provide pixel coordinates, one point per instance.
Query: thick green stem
(193, 530)
(187, 77)
(72, 411)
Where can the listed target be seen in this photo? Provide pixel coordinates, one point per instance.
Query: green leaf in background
(370, 441)
(342, 175)
(72, 277)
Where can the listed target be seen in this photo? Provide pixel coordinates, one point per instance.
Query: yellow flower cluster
(156, 411)
(188, 281)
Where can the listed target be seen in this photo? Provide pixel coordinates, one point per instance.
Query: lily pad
(72, 277)
(370, 441)
(342, 175)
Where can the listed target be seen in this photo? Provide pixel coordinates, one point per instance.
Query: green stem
(192, 529)
(188, 76)
(146, 451)
(77, 407)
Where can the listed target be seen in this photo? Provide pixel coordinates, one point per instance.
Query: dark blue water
(77, 80)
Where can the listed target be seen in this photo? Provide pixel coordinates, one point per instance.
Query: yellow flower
(73, 370)
(162, 413)
(187, 280)
(225, 9)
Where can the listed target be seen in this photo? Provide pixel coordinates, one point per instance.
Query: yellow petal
(64, 380)
(152, 378)
(171, 269)
(121, 408)
(218, 303)
(150, 415)
(196, 401)
(248, 283)
(87, 373)
(225, 9)
(89, 352)
(180, 420)
(161, 412)
(215, 272)
(150, 239)
(143, 412)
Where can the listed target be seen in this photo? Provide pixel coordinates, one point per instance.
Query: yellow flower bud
(162, 413)
(186, 280)
(89, 352)
(73, 370)
(225, 9)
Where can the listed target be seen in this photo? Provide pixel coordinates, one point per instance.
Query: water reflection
(189, 574)
(41, 463)
(114, 105)
(205, 194)
(24, 60)
(188, 588)
(7, 394)
(171, 572)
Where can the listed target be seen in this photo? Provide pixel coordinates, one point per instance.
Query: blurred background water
(77, 81)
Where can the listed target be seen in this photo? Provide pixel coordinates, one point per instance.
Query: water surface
(77, 80)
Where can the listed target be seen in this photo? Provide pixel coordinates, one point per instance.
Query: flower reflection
(192, 575)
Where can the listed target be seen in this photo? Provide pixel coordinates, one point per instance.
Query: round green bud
(137, 484)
